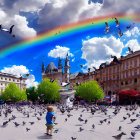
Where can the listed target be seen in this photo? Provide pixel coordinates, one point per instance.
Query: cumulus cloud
(21, 28)
(60, 52)
(133, 32)
(133, 44)
(98, 50)
(21, 70)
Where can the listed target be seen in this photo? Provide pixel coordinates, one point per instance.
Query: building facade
(6, 78)
(62, 74)
(121, 76)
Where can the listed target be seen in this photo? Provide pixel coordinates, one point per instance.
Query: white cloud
(98, 50)
(133, 32)
(133, 44)
(73, 60)
(21, 70)
(60, 52)
(21, 24)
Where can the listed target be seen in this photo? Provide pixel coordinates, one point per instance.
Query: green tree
(89, 91)
(13, 92)
(48, 90)
(32, 94)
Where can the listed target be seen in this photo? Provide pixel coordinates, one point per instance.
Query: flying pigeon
(107, 28)
(120, 34)
(63, 84)
(81, 66)
(117, 22)
(128, 27)
(130, 51)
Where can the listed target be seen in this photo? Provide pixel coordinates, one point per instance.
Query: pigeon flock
(80, 122)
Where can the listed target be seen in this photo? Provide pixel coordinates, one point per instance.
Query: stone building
(62, 74)
(6, 78)
(120, 76)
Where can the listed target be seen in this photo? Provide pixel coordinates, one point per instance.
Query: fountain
(66, 94)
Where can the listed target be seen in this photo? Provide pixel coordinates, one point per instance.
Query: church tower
(67, 69)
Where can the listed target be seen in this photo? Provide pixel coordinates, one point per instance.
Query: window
(17, 80)
(113, 77)
(106, 78)
(121, 83)
(135, 72)
(135, 80)
(110, 70)
(123, 66)
(1, 84)
(126, 74)
(117, 77)
(110, 78)
(135, 63)
(5, 78)
(123, 75)
(114, 70)
(106, 70)
(130, 62)
(118, 68)
(13, 80)
(1, 77)
(126, 83)
(9, 79)
(130, 73)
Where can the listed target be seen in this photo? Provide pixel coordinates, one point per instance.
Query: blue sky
(90, 48)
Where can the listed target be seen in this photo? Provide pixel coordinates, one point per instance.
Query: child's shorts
(49, 126)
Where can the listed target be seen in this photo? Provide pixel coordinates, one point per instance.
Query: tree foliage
(48, 90)
(13, 92)
(32, 94)
(89, 91)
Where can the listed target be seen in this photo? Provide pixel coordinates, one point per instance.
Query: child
(50, 120)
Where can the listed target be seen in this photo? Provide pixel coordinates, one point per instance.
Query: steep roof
(51, 67)
(74, 75)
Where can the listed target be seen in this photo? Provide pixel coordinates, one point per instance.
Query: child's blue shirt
(49, 116)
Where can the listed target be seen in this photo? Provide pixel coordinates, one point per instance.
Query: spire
(59, 64)
(67, 57)
(42, 67)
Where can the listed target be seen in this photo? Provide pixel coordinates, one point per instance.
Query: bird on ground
(66, 119)
(81, 129)
(5, 123)
(69, 115)
(101, 121)
(105, 120)
(80, 119)
(120, 34)
(93, 126)
(86, 121)
(108, 122)
(81, 66)
(132, 120)
(117, 22)
(118, 137)
(128, 27)
(120, 128)
(56, 130)
(73, 138)
(124, 118)
(31, 123)
(138, 127)
(23, 123)
(16, 124)
(133, 134)
(27, 129)
(38, 118)
(107, 28)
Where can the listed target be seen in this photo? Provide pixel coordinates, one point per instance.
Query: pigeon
(73, 138)
(128, 27)
(138, 127)
(133, 134)
(55, 131)
(69, 115)
(120, 34)
(118, 137)
(132, 120)
(66, 119)
(38, 118)
(81, 66)
(117, 22)
(5, 123)
(105, 120)
(31, 123)
(101, 121)
(27, 129)
(93, 126)
(11, 29)
(80, 119)
(107, 28)
(108, 122)
(86, 121)
(16, 124)
(23, 123)
(130, 51)
(120, 128)
(124, 118)
(81, 129)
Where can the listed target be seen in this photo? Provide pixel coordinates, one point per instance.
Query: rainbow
(65, 30)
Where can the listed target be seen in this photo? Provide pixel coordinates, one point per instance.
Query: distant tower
(42, 68)
(59, 65)
(67, 68)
